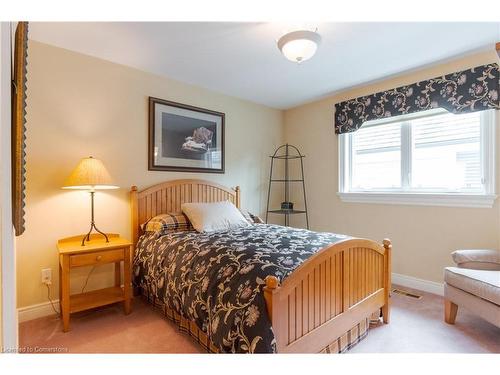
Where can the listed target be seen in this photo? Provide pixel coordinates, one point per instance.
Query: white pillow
(210, 217)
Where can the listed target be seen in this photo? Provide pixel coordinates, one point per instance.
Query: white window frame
(444, 198)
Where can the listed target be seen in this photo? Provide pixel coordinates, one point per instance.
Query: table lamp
(90, 174)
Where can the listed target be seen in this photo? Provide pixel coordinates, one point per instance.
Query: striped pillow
(168, 223)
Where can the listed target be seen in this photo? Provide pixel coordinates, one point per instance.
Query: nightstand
(95, 252)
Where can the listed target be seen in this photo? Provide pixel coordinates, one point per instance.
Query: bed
(338, 283)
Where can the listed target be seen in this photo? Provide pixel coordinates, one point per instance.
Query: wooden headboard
(168, 197)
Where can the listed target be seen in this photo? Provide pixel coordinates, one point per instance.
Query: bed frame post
(387, 280)
(134, 211)
(237, 190)
(272, 284)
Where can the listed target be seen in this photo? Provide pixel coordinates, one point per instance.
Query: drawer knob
(98, 258)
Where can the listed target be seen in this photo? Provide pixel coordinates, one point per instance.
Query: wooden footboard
(328, 294)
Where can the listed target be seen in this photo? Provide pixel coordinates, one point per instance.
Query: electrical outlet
(47, 275)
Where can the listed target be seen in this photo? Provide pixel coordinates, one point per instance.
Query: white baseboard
(44, 309)
(36, 311)
(420, 284)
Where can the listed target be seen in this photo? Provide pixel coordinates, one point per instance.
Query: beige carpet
(416, 326)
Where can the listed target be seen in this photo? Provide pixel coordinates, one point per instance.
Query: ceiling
(242, 59)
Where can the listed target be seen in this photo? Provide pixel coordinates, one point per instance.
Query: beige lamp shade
(89, 174)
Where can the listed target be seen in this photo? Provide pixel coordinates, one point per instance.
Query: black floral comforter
(216, 279)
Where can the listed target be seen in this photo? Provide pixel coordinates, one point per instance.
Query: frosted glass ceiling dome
(299, 46)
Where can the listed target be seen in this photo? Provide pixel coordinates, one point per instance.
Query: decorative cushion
(481, 283)
(251, 218)
(484, 259)
(168, 223)
(210, 217)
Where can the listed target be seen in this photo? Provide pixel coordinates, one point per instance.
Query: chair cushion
(484, 259)
(482, 283)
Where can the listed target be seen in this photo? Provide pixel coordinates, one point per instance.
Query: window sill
(421, 199)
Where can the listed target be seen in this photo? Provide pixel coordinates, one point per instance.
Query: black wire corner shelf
(290, 153)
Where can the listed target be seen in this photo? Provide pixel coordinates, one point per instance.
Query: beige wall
(80, 106)
(423, 237)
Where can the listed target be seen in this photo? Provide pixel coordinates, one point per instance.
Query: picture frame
(18, 124)
(185, 138)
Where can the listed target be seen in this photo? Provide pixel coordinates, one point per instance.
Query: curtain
(475, 89)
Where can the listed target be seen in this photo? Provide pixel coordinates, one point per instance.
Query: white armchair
(473, 284)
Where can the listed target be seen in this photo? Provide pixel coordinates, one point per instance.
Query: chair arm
(479, 259)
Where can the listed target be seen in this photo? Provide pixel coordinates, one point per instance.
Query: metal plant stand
(290, 153)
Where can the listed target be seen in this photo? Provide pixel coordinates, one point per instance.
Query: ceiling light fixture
(299, 46)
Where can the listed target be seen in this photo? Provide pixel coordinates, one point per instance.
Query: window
(431, 157)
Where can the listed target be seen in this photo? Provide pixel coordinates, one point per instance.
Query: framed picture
(19, 126)
(185, 138)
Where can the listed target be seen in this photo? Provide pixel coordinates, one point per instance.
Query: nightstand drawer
(100, 257)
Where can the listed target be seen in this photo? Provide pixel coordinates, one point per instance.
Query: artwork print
(185, 138)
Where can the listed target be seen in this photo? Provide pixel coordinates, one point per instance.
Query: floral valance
(470, 90)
